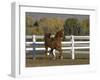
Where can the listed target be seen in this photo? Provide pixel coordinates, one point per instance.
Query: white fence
(73, 41)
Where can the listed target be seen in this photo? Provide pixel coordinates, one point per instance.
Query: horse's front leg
(61, 54)
(53, 53)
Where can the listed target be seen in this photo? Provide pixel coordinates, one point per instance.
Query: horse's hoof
(48, 54)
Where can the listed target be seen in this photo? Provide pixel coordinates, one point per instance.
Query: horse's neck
(57, 38)
(56, 35)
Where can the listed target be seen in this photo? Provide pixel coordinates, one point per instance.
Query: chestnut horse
(54, 43)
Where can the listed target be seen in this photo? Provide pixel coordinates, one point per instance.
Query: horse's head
(60, 34)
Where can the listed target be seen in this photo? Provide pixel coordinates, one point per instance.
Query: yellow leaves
(34, 30)
(85, 25)
(51, 24)
(54, 24)
(29, 21)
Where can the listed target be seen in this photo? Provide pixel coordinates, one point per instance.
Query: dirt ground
(43, 60)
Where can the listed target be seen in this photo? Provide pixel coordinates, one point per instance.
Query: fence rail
(73, 40)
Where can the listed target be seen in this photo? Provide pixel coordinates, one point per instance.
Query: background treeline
(71, 26)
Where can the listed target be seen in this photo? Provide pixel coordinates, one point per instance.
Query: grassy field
(43, 60)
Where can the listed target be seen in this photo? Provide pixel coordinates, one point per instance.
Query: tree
(29, 21)
(85, 26)
(36, 23)
(72, 27)
(51, 25)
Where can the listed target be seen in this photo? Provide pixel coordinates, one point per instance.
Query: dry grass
(42, 60)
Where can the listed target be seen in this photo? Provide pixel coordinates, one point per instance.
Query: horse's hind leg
(46, 50)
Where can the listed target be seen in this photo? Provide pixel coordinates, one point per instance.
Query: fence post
(34, 40)
(73, 53)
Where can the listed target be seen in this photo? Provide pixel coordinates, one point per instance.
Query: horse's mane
(59, 33)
